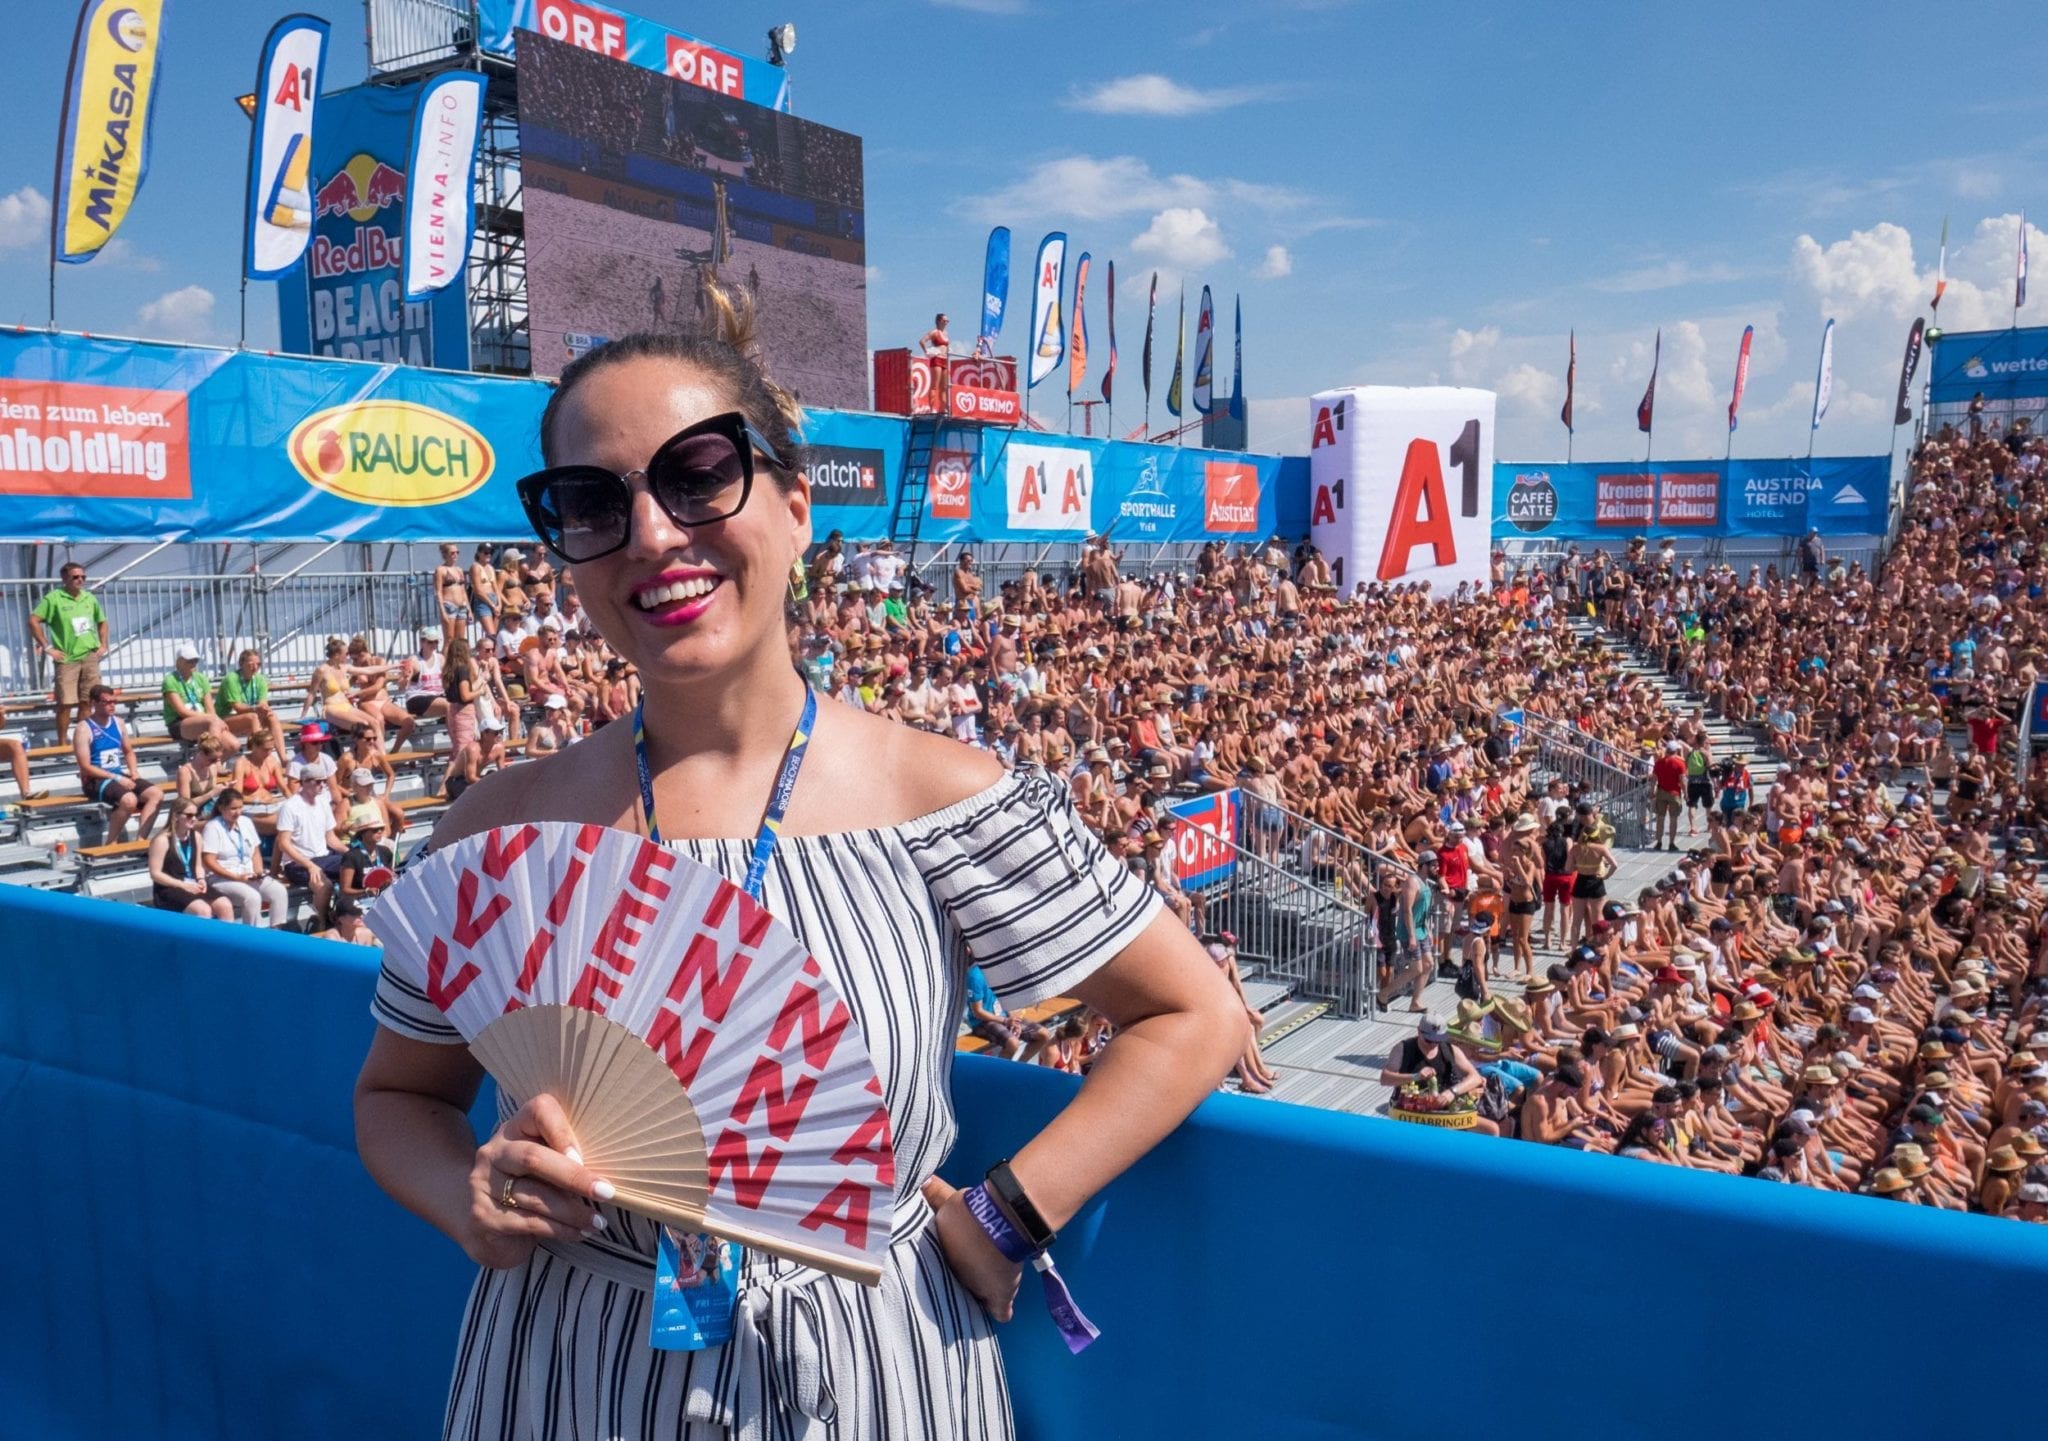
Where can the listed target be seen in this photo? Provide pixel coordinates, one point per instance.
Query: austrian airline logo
(1230, 491)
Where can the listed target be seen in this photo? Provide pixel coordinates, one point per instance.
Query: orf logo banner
(1403, 492)
(107, 106)
(280, 196)
(1048, 487)
(1201, 839)
(1230, 496)
(438, 203)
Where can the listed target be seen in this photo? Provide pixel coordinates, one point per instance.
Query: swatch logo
(846, 475)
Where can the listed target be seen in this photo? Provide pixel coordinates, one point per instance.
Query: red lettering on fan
(683, 1061)
(851, 1199)
(641, 877)
(749, 1181)
(499, 853)
(785, 1107)
(558, 910)
(471, 924)
(441, 991)
(700, 965)
(754, 920)
(800, 1009)
(871, 1143)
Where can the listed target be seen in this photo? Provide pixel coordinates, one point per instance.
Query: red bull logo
(359, 190)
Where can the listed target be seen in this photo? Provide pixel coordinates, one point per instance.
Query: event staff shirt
(235, 691)
(73, 622)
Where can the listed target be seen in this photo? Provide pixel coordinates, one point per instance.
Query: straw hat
(2029, 1145)
(2005, 1158)
(1888, 1182)
(1912, 1167)
(1937, 1081)
(1934, 1051)
(1539, 986)
(1818, 1076)
(1747, 1011)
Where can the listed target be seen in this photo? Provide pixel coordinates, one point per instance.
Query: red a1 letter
(1422, 489)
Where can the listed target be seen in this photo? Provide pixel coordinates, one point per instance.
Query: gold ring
(505, 1197)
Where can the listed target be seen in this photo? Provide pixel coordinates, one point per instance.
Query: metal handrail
(1621, 790)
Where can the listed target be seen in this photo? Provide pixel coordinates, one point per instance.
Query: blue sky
(1402, 194)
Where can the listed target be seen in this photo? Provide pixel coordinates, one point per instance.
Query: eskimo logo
(1532, 501)
(845, 475)
(390, 452)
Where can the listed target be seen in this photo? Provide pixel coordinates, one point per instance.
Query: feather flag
(1237, 363)
(109, 99)
(1824, 378)
(1180, 339)
(1941, 267)
(1646, 409)
(1741, 378)
(2019, 284)
(279, 212)
(995, 290)
(1571, 382)
(1077, 351)
(1048, 336)
(1204, 388)
(1904, 412)
(1145, 360)
(1109, 300)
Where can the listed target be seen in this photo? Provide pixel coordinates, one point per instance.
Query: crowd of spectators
(1839, 983)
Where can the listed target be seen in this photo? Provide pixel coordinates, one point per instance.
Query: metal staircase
(914, 483)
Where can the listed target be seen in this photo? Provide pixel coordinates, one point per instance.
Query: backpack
(1467, 984)
(1494, 1104)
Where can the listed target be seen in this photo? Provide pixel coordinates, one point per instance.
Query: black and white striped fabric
(557, 1348)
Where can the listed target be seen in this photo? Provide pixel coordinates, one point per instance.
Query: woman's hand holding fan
(530, 1185)
(705, 1065)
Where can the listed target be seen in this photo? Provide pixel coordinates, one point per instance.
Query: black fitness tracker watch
(1001, 1182)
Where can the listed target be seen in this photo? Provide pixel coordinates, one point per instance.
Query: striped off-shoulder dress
(557, 1349)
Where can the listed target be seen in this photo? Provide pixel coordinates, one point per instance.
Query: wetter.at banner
(122, 440)
(619, 36)
(1590, 502)
(348, 299)
(2009, 368)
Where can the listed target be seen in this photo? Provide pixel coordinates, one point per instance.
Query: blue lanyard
(778, 799)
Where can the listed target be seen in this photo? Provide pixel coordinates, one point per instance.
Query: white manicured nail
(598, 1223)
(575, 1155)
(603, 1190)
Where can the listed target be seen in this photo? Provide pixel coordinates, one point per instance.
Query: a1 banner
(280, 199)
(1401, 484)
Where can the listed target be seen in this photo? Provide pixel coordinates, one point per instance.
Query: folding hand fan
(710, 1069)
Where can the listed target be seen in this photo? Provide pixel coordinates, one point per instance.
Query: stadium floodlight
(781, 43)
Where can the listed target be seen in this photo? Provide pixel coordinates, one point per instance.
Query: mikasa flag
(446, 122)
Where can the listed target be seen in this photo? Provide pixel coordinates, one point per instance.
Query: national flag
(1180, 340)
(995, 289)
(440, 212)
(1571, 381)
(1077, 354)
(1204, 395)
(1109, 299)
(1941, 267)
(1824, 378)
(1237, 363)
(1741, 378)
(1646, 409)
(2019, 284)
(1145, 360)
(103, 145)
(280, 195)
(1911, 363)
(1048, 336)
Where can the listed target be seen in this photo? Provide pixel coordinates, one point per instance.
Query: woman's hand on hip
(973, 1256)
(529, 1184)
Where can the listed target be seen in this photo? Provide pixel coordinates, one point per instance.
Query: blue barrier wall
(194, 1252)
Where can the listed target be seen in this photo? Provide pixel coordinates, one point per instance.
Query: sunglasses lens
(700, 479)
(582, 514)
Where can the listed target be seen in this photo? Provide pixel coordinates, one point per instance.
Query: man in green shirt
(243, 700)
(188, 703)
(71, 629)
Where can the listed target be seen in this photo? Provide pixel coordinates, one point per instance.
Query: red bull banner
(348, 300)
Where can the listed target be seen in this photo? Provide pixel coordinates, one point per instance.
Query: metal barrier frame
(1619, 783)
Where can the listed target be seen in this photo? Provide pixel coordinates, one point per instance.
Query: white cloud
(1086, 188)
(1277, 265)
(874, 276)
(184, 314)
(1279, 426)
(1528, 388)
(24, 218)
(1159, 95)
(1183, 237)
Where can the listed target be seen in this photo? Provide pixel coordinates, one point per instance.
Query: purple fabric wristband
(1075, 1329)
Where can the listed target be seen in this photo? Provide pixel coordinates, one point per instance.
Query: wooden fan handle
(865, 1273)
